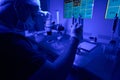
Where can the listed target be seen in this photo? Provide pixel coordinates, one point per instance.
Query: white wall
(98, 25)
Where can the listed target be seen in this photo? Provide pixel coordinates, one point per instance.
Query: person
(19, 60)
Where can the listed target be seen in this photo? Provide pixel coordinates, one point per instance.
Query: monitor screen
(113, 8)
(76, 8)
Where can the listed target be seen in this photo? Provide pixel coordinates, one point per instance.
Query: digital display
(113, 8)
(76, 8)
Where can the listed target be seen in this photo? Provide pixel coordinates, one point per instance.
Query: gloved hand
(76, 31)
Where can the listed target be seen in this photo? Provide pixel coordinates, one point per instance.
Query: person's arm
(64, 63)
(60, 67)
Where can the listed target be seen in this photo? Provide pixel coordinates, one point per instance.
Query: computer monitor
(113, 8)
(76, 8)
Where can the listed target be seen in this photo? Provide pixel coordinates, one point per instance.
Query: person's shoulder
(12, 37)
(9, 34)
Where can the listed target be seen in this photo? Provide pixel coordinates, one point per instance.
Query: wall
(44, 4)
(97, 26)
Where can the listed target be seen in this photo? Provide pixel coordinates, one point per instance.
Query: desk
(53, 46)
(95, 61)
(99, 64)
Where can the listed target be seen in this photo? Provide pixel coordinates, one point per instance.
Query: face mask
(24, 13)
(27, 25)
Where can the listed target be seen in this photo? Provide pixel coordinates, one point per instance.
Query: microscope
(50, 26)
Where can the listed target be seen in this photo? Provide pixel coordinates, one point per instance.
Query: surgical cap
(31, 3)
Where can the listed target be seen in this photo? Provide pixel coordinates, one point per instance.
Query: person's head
(25, 8)
(13, 10)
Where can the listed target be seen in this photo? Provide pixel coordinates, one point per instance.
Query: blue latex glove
(76, 30)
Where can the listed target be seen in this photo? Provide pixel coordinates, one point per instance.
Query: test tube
(57, 13)
(79, 19)
(73, 19)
